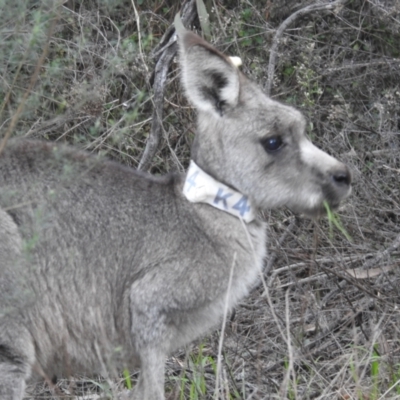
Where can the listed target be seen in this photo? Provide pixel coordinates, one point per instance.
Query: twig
(358, 273)
(272, 257)
(222, 334)
(139, 36)
(367, 265)
(285, 24)
(395, 385)
(266, 293)
(395, 244)
(383, 152)
(32, 83)
(290, 367)
(218, 17)
(378, 63)
(322, 260)
(160, 77)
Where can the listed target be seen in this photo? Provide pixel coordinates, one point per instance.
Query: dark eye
(272, 143)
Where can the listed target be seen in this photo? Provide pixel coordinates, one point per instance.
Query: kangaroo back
(103, 268)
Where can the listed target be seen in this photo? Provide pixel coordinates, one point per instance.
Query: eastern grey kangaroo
(104, 268)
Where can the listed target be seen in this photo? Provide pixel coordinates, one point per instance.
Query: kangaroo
(104, 268)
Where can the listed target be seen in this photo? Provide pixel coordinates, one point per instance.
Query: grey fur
(103, 268)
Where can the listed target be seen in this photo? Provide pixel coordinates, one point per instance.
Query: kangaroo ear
(179, 28)
(210, 79)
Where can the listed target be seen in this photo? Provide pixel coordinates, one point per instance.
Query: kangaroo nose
(342, 177)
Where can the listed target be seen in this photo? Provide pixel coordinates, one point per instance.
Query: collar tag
(202, 188)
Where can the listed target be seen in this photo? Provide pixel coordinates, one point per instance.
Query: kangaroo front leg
(151, 379)
(150, 337)
(16, 358)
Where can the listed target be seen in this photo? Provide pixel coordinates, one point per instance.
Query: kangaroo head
(252, 143)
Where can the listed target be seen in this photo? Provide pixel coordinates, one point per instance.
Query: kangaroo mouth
(324, 209)
(319, 210)
(333, 197)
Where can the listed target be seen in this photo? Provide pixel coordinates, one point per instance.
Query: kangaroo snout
(339, 186)
(342, 178)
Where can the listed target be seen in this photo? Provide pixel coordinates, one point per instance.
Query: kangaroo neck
(200, 187)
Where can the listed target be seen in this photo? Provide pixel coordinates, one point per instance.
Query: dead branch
(165, 56)
(336, 6)
(393, 246)
(32, 83)
(272, 257)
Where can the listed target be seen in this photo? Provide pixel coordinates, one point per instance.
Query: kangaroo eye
(272, 144)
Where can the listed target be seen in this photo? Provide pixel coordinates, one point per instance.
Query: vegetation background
(326, 324)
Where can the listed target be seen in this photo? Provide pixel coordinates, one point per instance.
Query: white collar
(202, 188)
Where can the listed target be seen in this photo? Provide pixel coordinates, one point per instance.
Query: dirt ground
(324, 323)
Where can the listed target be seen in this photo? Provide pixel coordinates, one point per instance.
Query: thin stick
(285, 24)
(393, 246)
(32, 83)
(290, 368)
(139, 36)
(221, 337)
(389, 390)
(273, 255)
(167, 52)
(266, 289)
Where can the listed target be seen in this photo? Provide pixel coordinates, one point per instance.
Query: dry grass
(326, 326)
